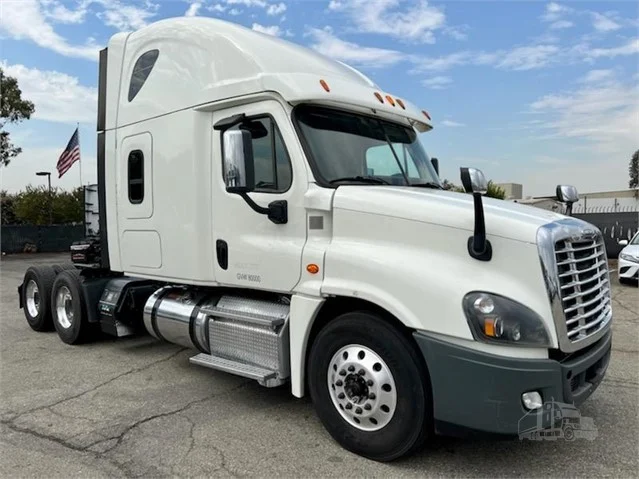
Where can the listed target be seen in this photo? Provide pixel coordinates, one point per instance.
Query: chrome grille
(584, 284)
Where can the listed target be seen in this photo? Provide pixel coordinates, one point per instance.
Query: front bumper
(627, 269)
(479, 392)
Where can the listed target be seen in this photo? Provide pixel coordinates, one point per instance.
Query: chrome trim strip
(578, 294)
(572, 229)
(581, 248)
(587, 270)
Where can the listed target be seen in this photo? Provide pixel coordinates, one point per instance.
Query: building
(608, 201)
(549, 203)
(514, 191)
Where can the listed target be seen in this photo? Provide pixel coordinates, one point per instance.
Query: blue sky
(532, 92)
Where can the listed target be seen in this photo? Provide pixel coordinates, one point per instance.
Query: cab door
(251, 250)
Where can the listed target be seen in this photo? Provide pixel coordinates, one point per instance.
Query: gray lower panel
(479, 391)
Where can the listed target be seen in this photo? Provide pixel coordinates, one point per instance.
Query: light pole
(48, 175)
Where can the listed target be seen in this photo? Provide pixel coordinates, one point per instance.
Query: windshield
(635, 239)
(347, 147)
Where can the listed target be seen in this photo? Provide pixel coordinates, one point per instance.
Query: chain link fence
(39, 239)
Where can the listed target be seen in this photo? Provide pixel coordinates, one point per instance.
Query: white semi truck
(274, 210)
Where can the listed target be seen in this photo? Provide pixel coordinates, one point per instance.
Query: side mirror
(623, 242)
(474, 181)
(567, 194)
(435, 163)
(238, 161)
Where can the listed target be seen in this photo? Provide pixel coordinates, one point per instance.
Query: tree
(493, 191)
(633, 171)
(13, 109)
(32, 206)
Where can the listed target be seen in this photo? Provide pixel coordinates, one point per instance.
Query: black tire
(569, 433)
(411, 422)
(59, 268)
(78, 330)
(43, 277)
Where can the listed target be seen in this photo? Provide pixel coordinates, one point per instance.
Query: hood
(454, 210)
(632, 249)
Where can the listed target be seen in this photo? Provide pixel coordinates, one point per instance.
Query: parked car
(628, 264)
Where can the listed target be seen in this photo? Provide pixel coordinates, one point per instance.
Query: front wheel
(369, 387)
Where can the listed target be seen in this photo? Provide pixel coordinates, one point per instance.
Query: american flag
(70, 155)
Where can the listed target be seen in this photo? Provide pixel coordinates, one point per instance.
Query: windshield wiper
(362, 179)
(428, 184)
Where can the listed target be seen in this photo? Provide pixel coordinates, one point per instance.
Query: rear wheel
(369, 387)
(58, 268)
(36, 292)
(69, 309)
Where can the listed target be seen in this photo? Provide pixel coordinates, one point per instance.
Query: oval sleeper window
(141, 71)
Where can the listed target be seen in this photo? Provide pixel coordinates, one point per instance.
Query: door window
(272, 165)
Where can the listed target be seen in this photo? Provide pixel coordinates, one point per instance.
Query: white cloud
(561, 24)
(451, 123)
(193, 9)
(26, 21)
(605, 116)
(458, 32)
(518, 58)
(554, 11)
(416, 23)
(331, 46)
(437, 82)
(235, 11)
(126, 17)
(248, 3)
(216, 7)
(57, 96)
(59, 13)
(597, 76)
(603, 23)
(276, 9)
(269, 30)
(629, 48)
(528, 57)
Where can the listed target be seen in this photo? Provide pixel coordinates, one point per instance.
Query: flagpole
(80, 159)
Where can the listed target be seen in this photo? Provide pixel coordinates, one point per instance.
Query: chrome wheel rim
(362, 387)
(64, 307)
(33, 298)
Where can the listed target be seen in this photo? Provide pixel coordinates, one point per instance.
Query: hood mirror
(475, 182)
(567, 194)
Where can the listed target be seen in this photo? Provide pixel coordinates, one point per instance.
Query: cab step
(263, 376)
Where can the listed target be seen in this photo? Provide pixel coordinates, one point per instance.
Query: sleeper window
(136, 176)
(141, 71)
(272, 166)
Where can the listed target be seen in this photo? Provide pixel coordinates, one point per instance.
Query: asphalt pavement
(136, 407)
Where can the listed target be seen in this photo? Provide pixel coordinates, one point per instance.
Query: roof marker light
(390, 100)
(426, 114)
(379, 97)
(325, 85)
(400, 103)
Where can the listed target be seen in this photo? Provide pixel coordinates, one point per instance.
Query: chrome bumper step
(265, 377)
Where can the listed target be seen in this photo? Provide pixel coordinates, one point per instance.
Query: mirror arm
(277, 211)
(478, 246)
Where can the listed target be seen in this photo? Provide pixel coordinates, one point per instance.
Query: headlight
(497, 319)
(629, 257)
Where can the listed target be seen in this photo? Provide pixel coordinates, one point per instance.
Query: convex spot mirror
(473, 181)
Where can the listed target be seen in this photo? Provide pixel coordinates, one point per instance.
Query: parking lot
(136, 407)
